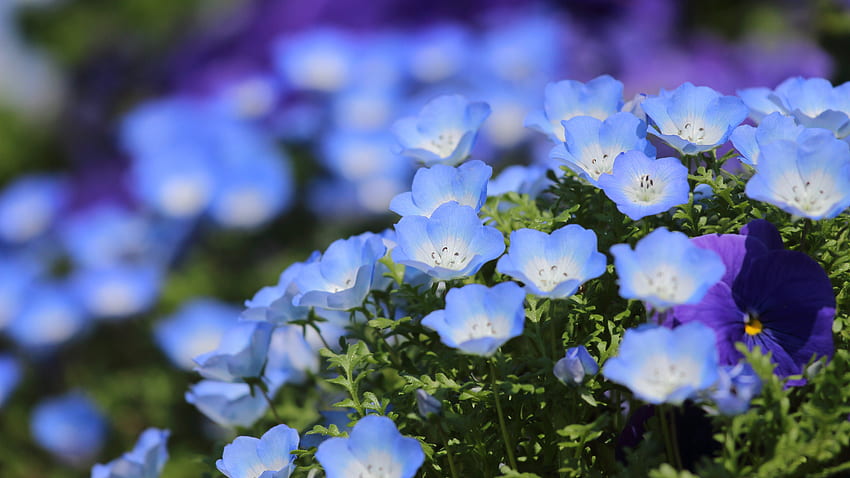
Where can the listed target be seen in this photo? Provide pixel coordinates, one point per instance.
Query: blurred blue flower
(17, 275)
(641, 186)
(116, 292)
(575, 366)
(343, 276)
(521, 49)
(290, 356)
(269, 456)
(693, 119)
(29, 207)
(660, 365)
(194, 329)
(358, 156)
(443, 132)
(228, 404)
(145, 460)
(478, 320)
(553, 265)
(438, 52)
(364, 110)
(815, 103)
(70, 427)
(808, 178)
(749, 140)
(529, 180)
(600, 98)
(241, 353)
(373, 448)
(439, 184)
(274, 303)
(592, 145)
(452, 243)
(251, 96)
(427, 404)
(759, 102)
(320, 59)
(10, 375)
(49, 317)
(666, 269)
(736, 386)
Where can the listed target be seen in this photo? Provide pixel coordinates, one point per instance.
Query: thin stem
(319, 333)
(505, 437)
(668, 425)
(674, 437)
(665, 432)
(448, 452)
(271, 404)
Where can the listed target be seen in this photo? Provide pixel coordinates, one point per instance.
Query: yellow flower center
(753, 326)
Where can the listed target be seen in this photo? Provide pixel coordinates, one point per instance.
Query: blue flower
(194, 329)
(736, 386)
(522, 179)
(641, 186)
(452, 243)
(427, 404)
(118, 291)
(50, 316)
(478, 320)
(758, 100)
(291, 356)
(227, 404)
(774, 127)
(274, 303)
(666, 269)
(575, 366)
(438, 52)
(439, 184)
(815, 103)
(146, 460)
(29, 206)
(553, 265)
(808, 178)
(660, 365)
(444, 131)
(343, 276)
(10, 375)
(592, 145)
(70, 427)
(373, 448)
(269, 456)
(241, 353)
(318, 59)
(17, 274)
(599, 98)
(693, 119)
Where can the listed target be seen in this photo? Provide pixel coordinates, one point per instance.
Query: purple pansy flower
(779, 300)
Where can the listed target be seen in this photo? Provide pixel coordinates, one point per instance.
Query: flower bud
(575, 366)
(427, 404)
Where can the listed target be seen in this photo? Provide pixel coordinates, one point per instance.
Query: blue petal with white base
(269, 456)
(439, 184)
(641, 186)
(145, 460)
(749, 140)
(241, 353)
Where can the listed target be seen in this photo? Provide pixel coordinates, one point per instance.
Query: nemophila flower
(240, 354)
(145, 460)
(17, 274)
(478, 320)
(553, 265)
(359, 156)
(50, 316)
(368, 108)
(228, 404)
(591, 144)
(443, 132)
(575, 366)
(70, 427)
(452, 243)
(598, 98)
(522, 179)
(736, 386)
(660, 365)
(342, 277)
(249, 96)
(518, 49)
(318, 59)
(759, 102)
(439, 184)
(815, 103)
(438, 52)
(118, 291)
(781, 301)
(29, 207)
(808, 178)
(274, 303)
(505, 128)
(427, 404)
(194, 329)
(641, 186)
(291, 357)
(269, 456)
(666, 269)
(10, 375)
(374, 448)
(749, 140)
(693, 119)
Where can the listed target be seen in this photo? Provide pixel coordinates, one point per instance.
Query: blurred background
(160, 162)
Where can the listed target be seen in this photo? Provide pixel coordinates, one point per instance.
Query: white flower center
(379, 465)
(479, 327)
(445, 143)
(692, 131)
(812, 198)
(548, 276)
(666, 284)
(660, 376)
(644, 189)
(449, 257)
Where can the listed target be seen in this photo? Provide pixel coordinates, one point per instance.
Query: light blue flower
(693, 119)
(439, 184)
(519, 49)
(815, 103)
(531, 180)
(343, 276)
(600, 98)
(736, 387)
(269, 456)
(478, 320)
(361, 156)
(749, 140)
(70, 427)
(105, 234)
(29, 206)
(641, 186)
(438, 52)
(118, 291)
(291, 357)
(575, 366)
(759, 101)
(50, 316)
(274, 303)
(194, 329)
(318, 59)
(808, 178)
(10, 375)
(17, 274)
(228, 404)
(427, 404)
(452, 243)
(660, 365)
(592, 145)
(553, 265)
(374, 448)
(444, 132)
(146, 460)
(666, 269)
(240, 354)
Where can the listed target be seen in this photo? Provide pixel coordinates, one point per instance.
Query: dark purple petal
(719, 311)
(765, 232)
(735, 250)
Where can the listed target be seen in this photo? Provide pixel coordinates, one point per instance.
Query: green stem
(505, 437)
(271, 404)
(668, 429)
(448, 452)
